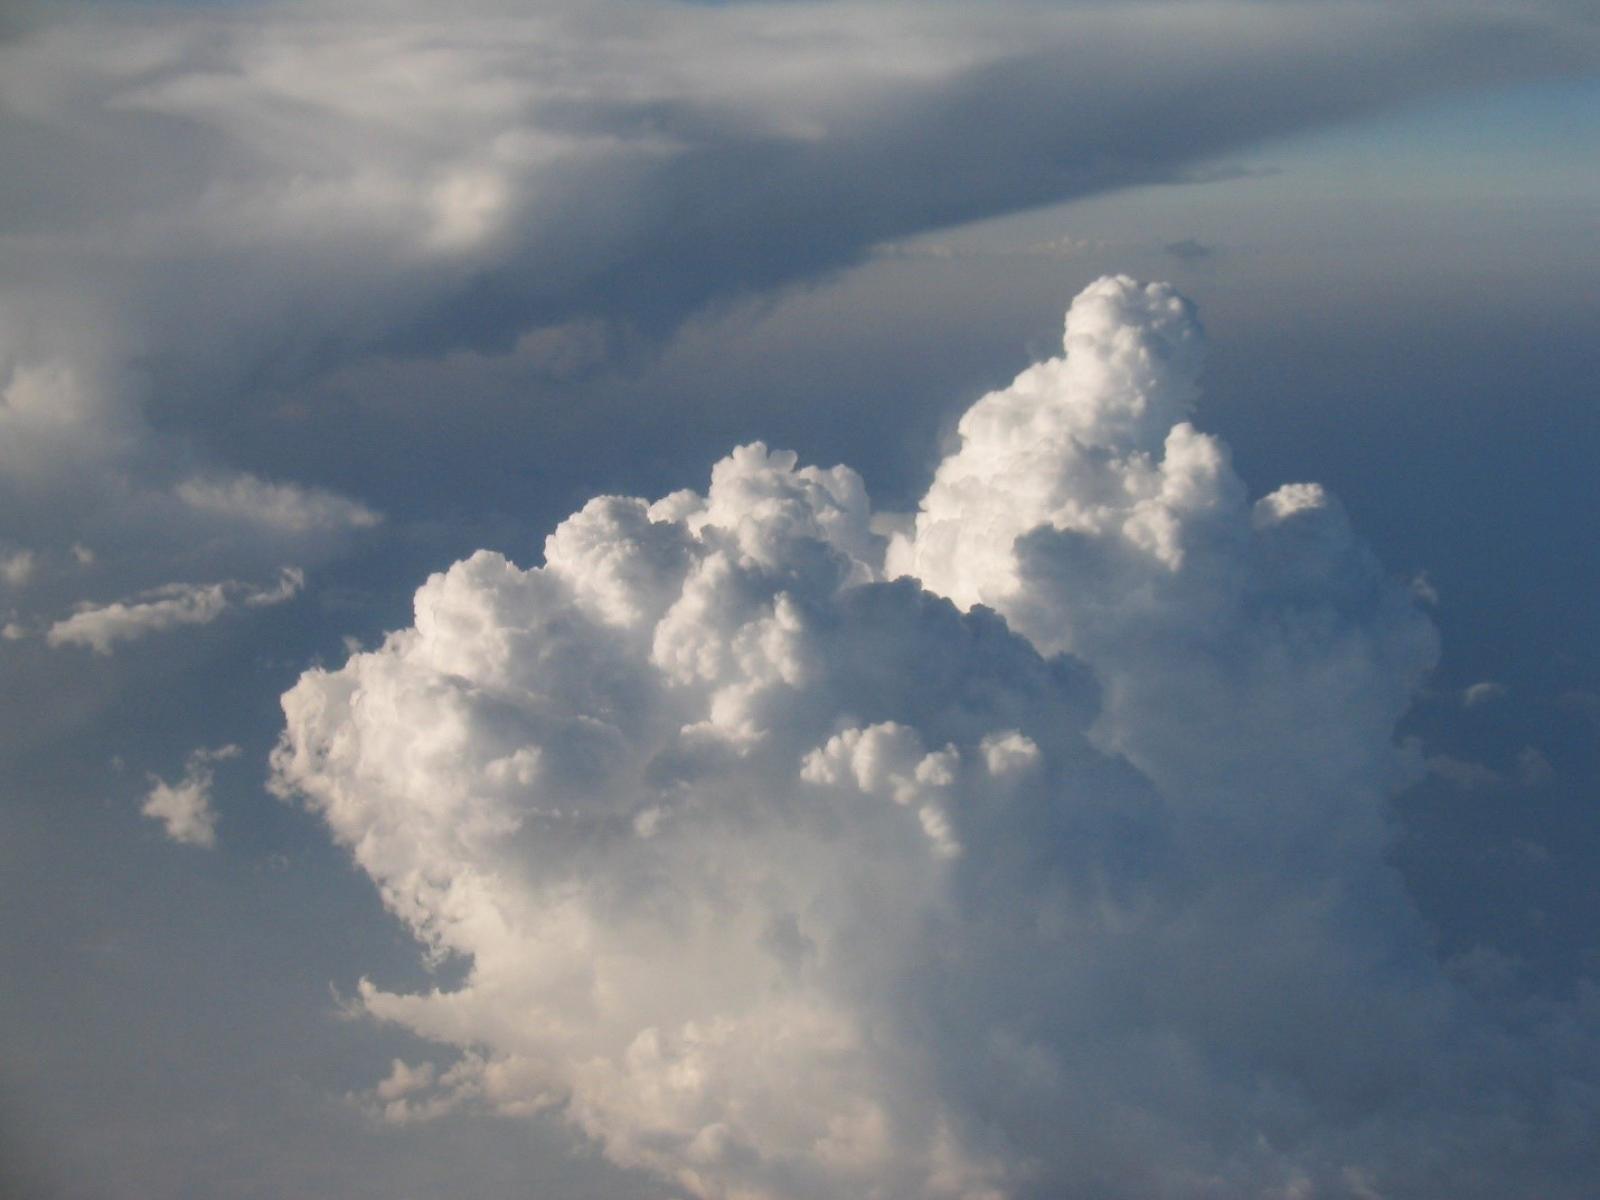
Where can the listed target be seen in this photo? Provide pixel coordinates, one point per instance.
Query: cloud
(1189, 250)
(1035, 850)
(1533, 769)
(1084, 506)
(78, 468)
(17, 568)
(185, 807)
(280, 507)
(1062, 246)
(205, 209)
(1485, 692)
(100, 627)
(1464, 773)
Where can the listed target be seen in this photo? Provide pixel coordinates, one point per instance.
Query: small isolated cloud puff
(1485, 692)
(100, 627)
(185, 807)
(17, 568)
(1037, 851)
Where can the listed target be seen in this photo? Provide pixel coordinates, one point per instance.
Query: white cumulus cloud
(1036, 852)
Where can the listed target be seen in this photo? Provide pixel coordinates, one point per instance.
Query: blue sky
(1295, 879)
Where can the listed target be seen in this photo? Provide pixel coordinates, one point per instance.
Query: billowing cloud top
(1034, 848)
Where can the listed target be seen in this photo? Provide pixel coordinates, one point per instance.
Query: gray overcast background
(359, 289)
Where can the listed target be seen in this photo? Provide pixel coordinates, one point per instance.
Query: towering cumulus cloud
(1032, 850)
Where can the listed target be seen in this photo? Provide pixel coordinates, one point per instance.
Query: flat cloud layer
(1028, 846)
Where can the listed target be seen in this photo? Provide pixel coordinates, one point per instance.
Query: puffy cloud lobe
(888, 759)
(784, 877)
(1031, 456)
(652, 788)
(101, 627)
(1083, 505)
